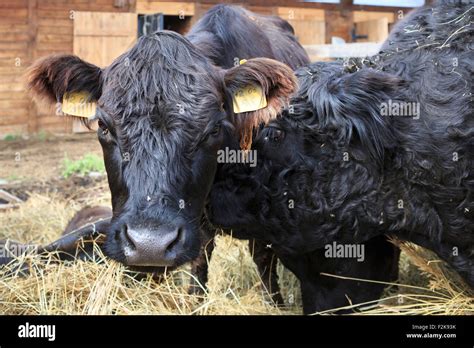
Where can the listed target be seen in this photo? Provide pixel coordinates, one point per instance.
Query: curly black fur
(355, 174)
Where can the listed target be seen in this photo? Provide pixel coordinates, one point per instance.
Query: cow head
(296, 197)
(163, 111)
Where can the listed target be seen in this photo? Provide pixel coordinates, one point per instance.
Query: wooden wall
(30, 29)
(55, 28)
(99, 38)
(174, 8)
(15, 55)
(309, 23)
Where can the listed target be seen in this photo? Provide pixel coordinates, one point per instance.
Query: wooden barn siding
(55, 35)
(307, 22)
(30, 29)
(14, 40)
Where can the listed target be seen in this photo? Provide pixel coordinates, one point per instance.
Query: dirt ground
(39, 159)
(31, 169)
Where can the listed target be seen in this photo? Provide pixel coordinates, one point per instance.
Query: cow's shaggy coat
(354, 173)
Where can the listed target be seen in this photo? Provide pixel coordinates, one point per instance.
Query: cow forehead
(161, 72)
(154, 87)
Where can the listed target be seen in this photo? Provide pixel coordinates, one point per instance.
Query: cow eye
(103, 127)
(273, 134)
(215, 131)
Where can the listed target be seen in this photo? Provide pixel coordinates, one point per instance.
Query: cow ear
(351, 105)
(268, 85)
(51, 77)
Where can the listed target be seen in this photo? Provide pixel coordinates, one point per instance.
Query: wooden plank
(97, 41)
(47, 49)
(56, 14)
(55, 22)
(11, 79)
(168, 8)
(49, 38)
(53, 3)
(58, 125)
(57, 30)
(14, 76)
(13, 20)
(88, 6)
(11, 63)
(309, 32)
(55, 128)
(362, 16)
(46, 111)
(33, 42)
(14, 45)
(13, 104)
(300, 13)
(13, 13)
(101, 51)
(13, 116)
(12, 28)
(84, 5)
(264, 10)
(12, 54)
(11, 69)
(8, 95)
(105, 24)
(13, 4)
(14, 86)
(13, 16)
(55, 124)
(50, 118)
(376, 30)
(101, 37)
(13, 37)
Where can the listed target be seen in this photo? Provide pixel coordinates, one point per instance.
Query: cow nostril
(125, 237)
(176, 240)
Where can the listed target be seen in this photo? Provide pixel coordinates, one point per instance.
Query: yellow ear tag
(249, 98)
(78, 104)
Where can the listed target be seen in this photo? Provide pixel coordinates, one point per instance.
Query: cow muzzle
(157, 246)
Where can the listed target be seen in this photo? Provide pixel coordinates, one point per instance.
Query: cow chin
(150, 269)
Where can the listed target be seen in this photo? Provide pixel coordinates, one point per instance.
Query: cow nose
(152, 246)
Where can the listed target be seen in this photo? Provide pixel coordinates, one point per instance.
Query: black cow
(87, 215)
(164, 111)
(356, 166)
(84, 227)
